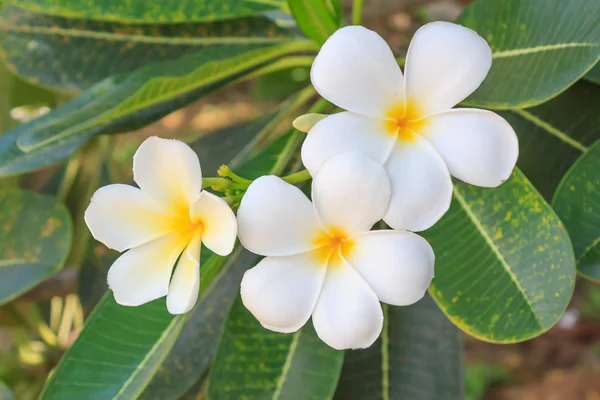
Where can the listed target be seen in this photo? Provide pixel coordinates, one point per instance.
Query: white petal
(142, 274)
(356, 70)
(185, 283)
(122, 216)
(348, 314)
(445, 63)
(276, 219)
(350, 193)
(421, 186)
(168, 171)
(397, 265)
(478, 146)
(281, 292)
(342, 132)
(220, 226)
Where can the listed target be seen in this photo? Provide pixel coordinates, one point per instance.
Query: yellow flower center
(184, 224)
(404, 121)
(331, 245)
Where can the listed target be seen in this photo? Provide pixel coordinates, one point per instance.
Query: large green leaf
(72, 54)
(553, 135)
(126, 102)
(315, 17)
(505, 269)
(190, 357)
(120, 348)
(157, 11)
(35, 238)
(253, 362)
(577, 202)
(540, 47)
(419, 356)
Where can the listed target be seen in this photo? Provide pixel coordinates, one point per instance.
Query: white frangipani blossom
(321, 258)
(167, 218)
(406, 122)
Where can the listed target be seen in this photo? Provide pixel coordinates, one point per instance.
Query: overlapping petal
(421, 186)
(445, 63)
(276, 219)
(397, 265)
(142, 274)
(348, 314)
(122, 217)
(350, 193)
(185, 283)
(343, 132)
(356, 70)
(478, 146)
(281, 292)
(169, 172)
(218, 220)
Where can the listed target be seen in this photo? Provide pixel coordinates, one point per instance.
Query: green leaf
(35, 238)
(190, 357)
(553, 135)
(157, 11)
(419, 356)
(540, 48)
(504, 269)
(124, 103)
(594, 74)
(577, 203)
(72, 55)
(253, 362)
(315, 18)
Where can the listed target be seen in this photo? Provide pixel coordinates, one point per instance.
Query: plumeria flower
(166, 219)
(322, 260)
(406, 122)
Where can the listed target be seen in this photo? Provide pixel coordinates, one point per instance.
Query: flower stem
(228, 173)
(356, 12)
(297, 177)
(223, 184)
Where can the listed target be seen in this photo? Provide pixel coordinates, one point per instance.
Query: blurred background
(562, 364)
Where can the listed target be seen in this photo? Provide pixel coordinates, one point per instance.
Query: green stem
(356, 12)
(223, 184)
(297, 177)
(228, 173)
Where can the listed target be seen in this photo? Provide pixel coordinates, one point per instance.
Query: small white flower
(321, 258)
(168, 216)
(406, 123)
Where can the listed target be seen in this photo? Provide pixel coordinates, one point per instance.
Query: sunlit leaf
(504, 269)
(315, 17)
(130, 101)
(540, 47)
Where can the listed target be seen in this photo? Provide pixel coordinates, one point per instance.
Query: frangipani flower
(321, 258)
(167, 218)
(406, 122)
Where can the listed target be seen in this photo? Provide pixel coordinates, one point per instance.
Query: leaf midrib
(137, 38)
(496, 251)
(531, 118)
(287, 365)
(539, 49)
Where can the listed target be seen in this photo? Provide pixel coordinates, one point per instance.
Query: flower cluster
(389, 157)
